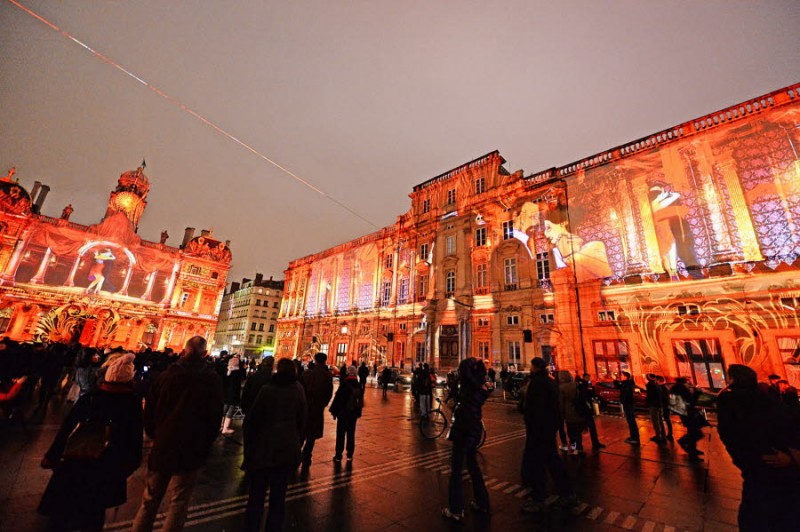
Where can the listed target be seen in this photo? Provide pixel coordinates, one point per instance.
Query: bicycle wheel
(483, 435)
(434, 425)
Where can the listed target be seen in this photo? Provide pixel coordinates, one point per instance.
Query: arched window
(450, 283)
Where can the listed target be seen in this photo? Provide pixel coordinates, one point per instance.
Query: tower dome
(130, 196)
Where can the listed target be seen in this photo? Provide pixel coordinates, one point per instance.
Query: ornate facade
(248, 317)
(678, 254)
(102, 284)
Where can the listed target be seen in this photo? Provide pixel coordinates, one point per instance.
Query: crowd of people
(190, 400)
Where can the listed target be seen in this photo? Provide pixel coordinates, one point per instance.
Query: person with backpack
(97, 448)
(346, 408)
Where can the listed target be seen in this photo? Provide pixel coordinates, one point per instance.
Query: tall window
(402, 295)
(386, 293)
(480, 236)
(481, 278)
(341, 353)
(701, 361)
(508, 230)
(450, 244)
(483, 350)
(611, 358)
(510, 271)
(423, 252)
(450, 283)
(420, 352)
(451, 196)
(480, 185)
(543, 266)
(388, 261)
(514, 352)
(422, 288)
(426, 206)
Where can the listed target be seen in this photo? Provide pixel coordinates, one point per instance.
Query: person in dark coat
(386, 376)
(655, 406)
(425, 390)
(232, 388)
(255, 382)
(346, 408)
(764, 444)
(182, 415)
(588, 396)
(627, 390)
(318, 386)
(363, 373)
(79, 491)
(273, 438)
(690, 417)
(466, 434)
(542, 419)
(666, 413)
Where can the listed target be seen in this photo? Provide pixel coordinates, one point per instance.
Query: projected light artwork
(676, 254)
(102, 284)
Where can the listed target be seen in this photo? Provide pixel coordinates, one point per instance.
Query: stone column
(124, 290)
(170, 286)
(40, 273)
(150, 282)
(73, 272)
(11, 268)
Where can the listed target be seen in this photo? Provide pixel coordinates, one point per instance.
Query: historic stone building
(103, 285)
(248, 317)
(676, 253)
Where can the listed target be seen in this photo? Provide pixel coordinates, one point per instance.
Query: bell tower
(130, 196)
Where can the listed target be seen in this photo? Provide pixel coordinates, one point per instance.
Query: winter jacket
(654, 397)
(274, 429)
(751, 423)
(232, 385)
(567, 398)
(627, 389)
(467, 427)
(318, 386)
(78, 487)
(339, 405)
(253, 385)
(542, 415)
(182, 415)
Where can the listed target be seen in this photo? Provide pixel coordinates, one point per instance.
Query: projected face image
(554, 232)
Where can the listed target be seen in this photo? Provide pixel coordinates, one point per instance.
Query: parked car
(400, 378)
(608, 393)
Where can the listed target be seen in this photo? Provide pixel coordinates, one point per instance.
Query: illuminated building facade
(103, 285)
(248, 317)
(677, 254)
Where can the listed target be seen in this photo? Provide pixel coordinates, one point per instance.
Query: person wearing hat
(346, 408)
(80, 490)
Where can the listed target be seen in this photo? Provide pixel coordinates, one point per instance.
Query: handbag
(88, 441)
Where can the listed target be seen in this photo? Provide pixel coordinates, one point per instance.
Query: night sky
(361, 99)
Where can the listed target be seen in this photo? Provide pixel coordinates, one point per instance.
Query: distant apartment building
(248, 317)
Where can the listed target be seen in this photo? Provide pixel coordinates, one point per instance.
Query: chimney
(187, 235)
(245, 281)
(204, 232)
(235, 286)
(40, 198)
(259, 278)
(270, 277)
(36, 186)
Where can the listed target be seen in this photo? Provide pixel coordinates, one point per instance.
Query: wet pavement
(398, 480)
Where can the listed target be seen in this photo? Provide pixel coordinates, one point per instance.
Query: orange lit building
(677, 254)
(102, 284)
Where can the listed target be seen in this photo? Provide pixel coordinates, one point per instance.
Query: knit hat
(120, 368)
(352, 371)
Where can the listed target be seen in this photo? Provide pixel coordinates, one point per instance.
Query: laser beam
(174, 101)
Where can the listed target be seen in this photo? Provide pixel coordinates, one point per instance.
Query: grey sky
(363, 99)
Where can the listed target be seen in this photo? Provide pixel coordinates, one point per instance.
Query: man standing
(542, 420)
(363, 373)
(587, 395)
(386, 376)
(318, 385)
(182, 416)
(626, 399)
(655, 406)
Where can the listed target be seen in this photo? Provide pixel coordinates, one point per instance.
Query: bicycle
(435, 423)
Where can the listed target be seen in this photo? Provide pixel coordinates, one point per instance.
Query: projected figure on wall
(96, 272)
(674, 236)
(589, 259)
